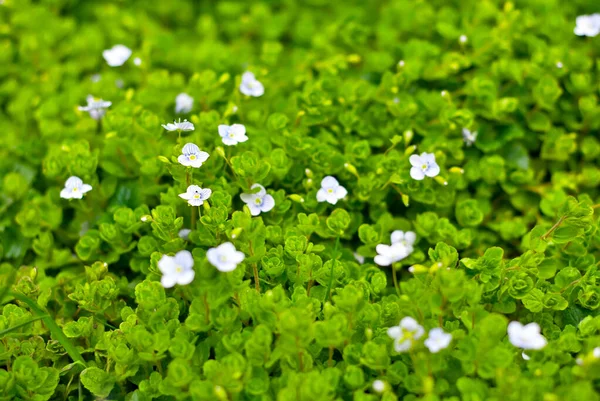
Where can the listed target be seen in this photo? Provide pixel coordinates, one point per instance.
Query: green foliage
(508, 230)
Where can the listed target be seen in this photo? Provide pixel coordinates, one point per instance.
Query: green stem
(395, 280)
(554, 227)
(193, 218)
(333, 258)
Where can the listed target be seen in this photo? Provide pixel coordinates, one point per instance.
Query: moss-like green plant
(299, 200)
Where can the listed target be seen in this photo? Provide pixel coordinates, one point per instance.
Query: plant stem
(333, 258)
(330, 360)
(395, 280)
(554, 227)
(193, 218)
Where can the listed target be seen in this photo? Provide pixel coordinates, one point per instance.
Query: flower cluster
(409, 331)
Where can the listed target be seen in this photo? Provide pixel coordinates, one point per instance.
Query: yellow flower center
(424, 166)
(75, 189)
(231, 134)
(178, 269)
(193, 157)
(196, 196)
(257, 201)
(330, 190)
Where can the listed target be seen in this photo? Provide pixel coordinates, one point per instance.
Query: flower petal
(329, 182)
(417, 174)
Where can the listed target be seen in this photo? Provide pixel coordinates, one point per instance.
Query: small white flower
(378, 386)
(444, 93)
(423, 165)
(405, 333)
(183, 103)
(405, 238)
(389, 254)
(74, 188)
(579, 361)
(117, 55)
(232, 134)
(469, 137)
(559, 64)
(96, 108)
(196, 195)
(176, 269)
(359, 258)
(401, 63)
(463, 39)
(184, 125)
(144, 218)
(184, 233)
(331, 191)
(259, 201)
(137, 61)
(250, 86)
(225, 257)
(596, 352)
(119, 83)
(438, 340)
(192, 156)
(95, 78)
(526, 337)
(525, 356)
(587, 25)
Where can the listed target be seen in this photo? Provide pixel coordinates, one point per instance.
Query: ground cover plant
(299, 200)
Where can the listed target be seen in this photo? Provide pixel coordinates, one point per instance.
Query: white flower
(378, 386)
(259, 201)
(96, 108)
(183, 103)
(331, 191)
(359, 258)
(469, 137)
(251, 86)
(596, 352)
(526, 337)
(388, 254)
(176, 269)
(587, 25)
(579, 361)
(232, 134)
(74, 188)
(405, 238)
(179, 126)
(225, 257)
(438, 340)
(95, 78)
(559, 64)
(423, 165)
(119, 83)
(463, 39)
(404, 334)
(192, 156)
(525, 356)
(401, 63)
(137, 61)
(117, 56)
(196, 195)
(184, 233)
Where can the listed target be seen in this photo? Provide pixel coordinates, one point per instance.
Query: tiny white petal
(526, 337)
(117, 55)
(183, 103)
(378, 386)
(225, 257)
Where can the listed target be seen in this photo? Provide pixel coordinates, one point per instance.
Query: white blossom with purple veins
(74, 188)
(232, 134)
(176, 269)
(184, 125)
(183, 103)
(405, 333)
(96, 108)
(250, 86)
(438, 340)
(469, 137)
(331, 191)
(117, 55)
(196, 195)
(192, 156)
(587, 25)
(526, 337)
(225, 257)
(259, 201)
(423, 165)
